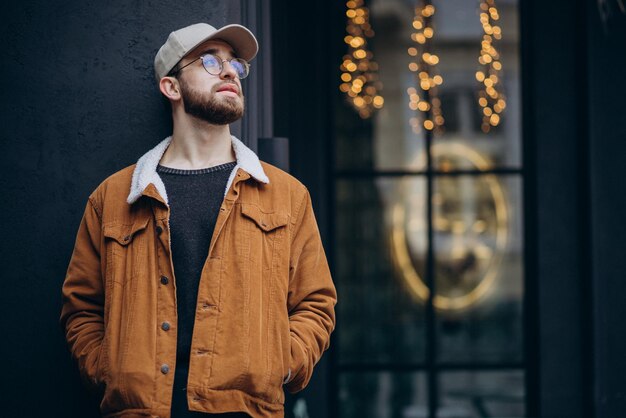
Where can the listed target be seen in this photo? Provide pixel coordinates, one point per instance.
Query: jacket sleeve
(82, 314)
(311, 298)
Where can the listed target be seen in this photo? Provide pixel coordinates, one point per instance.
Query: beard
(209, 106)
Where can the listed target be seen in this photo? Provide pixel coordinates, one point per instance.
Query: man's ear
(170, 88)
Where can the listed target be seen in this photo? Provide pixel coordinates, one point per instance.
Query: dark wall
(79, 102)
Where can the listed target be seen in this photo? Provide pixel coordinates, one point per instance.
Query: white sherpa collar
(145, 170)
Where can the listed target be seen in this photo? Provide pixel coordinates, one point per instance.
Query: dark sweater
(195, 197)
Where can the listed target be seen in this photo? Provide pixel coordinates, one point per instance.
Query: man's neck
(197, 144)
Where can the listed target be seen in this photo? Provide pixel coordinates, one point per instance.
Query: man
(198, 284)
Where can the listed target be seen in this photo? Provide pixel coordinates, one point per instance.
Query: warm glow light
(356, 42)
(359, 70)
(428, 11)
(423, 63)
(359, 54)
(491, 98)
(423, 106)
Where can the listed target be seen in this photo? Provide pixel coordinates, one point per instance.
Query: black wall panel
(79, 102)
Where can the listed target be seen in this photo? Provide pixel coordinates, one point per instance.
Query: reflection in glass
(478, 267)
(464, 219)
(383, 395)
(481, 394)
(383, 323)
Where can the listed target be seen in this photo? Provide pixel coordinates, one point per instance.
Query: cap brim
(239, 37)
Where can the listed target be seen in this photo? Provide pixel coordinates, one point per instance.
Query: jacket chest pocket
(266, 221)
(263, 232)
(125, 250)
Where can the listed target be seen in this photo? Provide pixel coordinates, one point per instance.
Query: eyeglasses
(214, 65)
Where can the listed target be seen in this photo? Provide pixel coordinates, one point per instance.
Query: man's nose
(228, 71)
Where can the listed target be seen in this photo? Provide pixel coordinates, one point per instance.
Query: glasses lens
(212, 64)
(240, 66)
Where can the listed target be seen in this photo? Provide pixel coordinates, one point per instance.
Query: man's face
(216, 99)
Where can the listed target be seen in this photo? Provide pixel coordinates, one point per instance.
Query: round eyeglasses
(214, 65)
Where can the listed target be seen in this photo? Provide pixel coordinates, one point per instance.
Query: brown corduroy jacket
(266, 299)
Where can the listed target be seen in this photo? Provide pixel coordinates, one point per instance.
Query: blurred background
(465, 162)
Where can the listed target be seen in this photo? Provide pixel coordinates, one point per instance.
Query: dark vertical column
(554, 136)
(606, 80)
(258, 86)
(303, 65)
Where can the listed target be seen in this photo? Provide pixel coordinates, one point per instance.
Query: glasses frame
(220, 60)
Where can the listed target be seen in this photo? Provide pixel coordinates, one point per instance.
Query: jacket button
(165, 369)
(164, 280)
(159, 230)
(165, 326)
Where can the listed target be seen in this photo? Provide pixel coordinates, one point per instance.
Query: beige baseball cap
(182, 41)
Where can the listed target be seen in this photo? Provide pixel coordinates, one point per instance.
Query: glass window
(481, 394)
(383, 395)
(385, 322)
(429, 224)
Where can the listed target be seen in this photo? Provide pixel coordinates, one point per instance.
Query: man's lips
(229, 88)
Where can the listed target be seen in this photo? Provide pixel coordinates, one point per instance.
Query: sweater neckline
(169, 170)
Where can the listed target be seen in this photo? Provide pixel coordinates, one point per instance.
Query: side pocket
(101, 365)
(126, 246)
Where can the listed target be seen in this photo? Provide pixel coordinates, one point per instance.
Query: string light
(490, 97)
(359, 75)
(424, 101)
